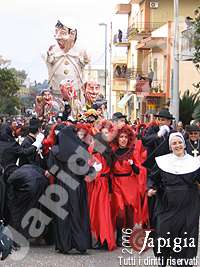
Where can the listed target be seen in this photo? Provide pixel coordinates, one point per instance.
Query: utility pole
(111, 75)
(175, 91)
(105, 61)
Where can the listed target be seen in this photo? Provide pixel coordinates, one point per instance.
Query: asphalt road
(48, 257)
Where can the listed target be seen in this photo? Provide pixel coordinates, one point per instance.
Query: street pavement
(46, 256)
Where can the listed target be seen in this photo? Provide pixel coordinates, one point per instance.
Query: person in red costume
(125, 185)
(99, 190)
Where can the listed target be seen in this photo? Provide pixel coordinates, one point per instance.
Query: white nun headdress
(176, 134)
(178, 165)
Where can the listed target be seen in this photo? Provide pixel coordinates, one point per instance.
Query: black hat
(98, 104)
(34, 123)
(164, 113)
(192, 128)
(117, 115)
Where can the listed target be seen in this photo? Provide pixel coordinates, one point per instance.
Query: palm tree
(189, 107)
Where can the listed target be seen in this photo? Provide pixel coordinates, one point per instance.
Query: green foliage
(20, 75)
(9, 86)
(9, 105)
(27, 101)
(188, 106)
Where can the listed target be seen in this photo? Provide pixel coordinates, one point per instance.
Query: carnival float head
(68, 90)
(45, 104)
(65, 34)
(91, 91)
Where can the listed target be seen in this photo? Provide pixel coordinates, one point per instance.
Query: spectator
(120, 35)
(150, 77)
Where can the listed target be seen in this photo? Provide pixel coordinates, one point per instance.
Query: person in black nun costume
(10, 150)
(174, 182)
(25, 185)
(71, 156)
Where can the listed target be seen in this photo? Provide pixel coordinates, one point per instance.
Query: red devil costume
(125, 185)
(99, 196)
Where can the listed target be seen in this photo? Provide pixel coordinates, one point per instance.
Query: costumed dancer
(99, 190)
(125, 185)
(70, 155)
(174, 183)
(140, 154)
(24, 187)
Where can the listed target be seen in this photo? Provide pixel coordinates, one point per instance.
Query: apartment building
(147, 85)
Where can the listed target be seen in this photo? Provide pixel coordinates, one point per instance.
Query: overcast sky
(27, 28)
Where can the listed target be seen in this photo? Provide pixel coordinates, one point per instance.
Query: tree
(21, 75)
(188, 105)
(9, 86)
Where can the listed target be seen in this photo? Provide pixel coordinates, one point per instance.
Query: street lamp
(105, 68)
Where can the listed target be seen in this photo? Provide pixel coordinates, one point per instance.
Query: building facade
(149, 53)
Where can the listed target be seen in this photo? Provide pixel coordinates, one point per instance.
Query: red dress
(126, 191)
(100, 205)
(140, 154)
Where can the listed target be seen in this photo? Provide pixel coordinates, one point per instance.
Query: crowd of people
(93, 177)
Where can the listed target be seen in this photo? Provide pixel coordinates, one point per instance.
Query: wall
(165, 10)
(188, 76)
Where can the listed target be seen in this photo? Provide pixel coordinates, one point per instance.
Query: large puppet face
(47, 96)
(68, 90)
(65, 36)
(92, 90)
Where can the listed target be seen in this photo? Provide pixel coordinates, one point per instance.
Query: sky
(27, 29)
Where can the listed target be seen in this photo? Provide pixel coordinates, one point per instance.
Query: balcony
(121, 72)
(187, 44)
(151, 42)
(121, 41)
(150, 89)
(139, 31)
(123, 9)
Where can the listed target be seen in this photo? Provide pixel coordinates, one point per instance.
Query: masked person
(174, 182)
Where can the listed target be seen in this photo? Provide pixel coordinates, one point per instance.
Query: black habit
(177, 202)
(74, 230)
